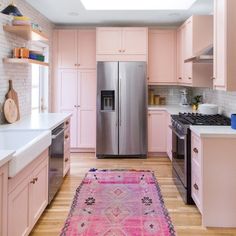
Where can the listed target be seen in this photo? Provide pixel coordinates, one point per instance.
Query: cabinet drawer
(196, 185)
(196, 149)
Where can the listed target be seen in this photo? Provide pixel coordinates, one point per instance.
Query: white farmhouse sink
(28, 144)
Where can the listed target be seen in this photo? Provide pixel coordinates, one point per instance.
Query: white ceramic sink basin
(28, 144)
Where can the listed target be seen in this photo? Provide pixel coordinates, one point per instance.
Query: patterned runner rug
(118, 203)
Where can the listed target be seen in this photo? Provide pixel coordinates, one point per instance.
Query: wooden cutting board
(13, 95)
(10, 111)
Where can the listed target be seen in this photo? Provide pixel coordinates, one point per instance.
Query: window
(39, 92)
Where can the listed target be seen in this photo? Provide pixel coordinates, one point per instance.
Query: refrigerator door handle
(120, 101)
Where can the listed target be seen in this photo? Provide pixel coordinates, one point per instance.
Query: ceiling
(72, 12)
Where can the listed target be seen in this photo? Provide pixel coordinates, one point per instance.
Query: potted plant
(196, 101)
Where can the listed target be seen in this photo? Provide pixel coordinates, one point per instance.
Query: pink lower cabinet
(27, 196)
(157, 131)
(66, 165)
(169, 137)
(214, 179)
(3, 199)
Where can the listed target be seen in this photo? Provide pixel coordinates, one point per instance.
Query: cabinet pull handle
(195, 150)
(32, 181)
(196, 186)
(67, 159)
(213, 78)
(67, 136)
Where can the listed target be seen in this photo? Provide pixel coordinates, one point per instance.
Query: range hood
(204, 56)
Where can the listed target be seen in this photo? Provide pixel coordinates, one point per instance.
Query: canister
(233, 121)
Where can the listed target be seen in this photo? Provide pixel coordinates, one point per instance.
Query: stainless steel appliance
(56, 157)
(121, 109)
(181, 147)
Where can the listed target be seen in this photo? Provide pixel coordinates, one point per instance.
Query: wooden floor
(186, 219)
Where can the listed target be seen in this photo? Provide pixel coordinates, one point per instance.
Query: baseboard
(157, 154)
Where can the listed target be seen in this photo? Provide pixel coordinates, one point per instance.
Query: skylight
(137, 4)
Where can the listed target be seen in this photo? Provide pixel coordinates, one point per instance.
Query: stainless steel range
(181, 147)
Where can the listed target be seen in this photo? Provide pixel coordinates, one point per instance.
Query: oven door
(179, 155)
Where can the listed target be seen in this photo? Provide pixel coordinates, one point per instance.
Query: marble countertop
(5, 156)
(40, 121)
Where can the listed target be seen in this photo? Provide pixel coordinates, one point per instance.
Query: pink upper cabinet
(224, 45)
(162, 56)
(109, 40)
(122, 44)
(76, 49)
(195, 35)
(87, 49)
(67, 49)
(134, 41)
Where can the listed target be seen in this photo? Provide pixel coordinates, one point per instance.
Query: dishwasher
(56, 160)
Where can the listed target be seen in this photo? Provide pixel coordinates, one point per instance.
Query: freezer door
(107, 109)
(132, 109)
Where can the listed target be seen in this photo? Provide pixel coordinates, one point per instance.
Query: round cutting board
(10, 110)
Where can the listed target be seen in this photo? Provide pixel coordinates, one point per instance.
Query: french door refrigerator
(121, 109)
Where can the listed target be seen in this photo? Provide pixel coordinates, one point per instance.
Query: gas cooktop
(200, 119)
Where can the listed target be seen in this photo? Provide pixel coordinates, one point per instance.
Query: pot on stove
(208, 109)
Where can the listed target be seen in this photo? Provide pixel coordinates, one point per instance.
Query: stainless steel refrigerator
(121, 109)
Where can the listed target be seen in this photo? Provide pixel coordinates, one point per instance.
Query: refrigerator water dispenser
(108, 100)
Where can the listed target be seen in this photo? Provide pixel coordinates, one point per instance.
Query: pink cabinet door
(87, 109)
(39, 192)
(169, 137)
(220, 67)
(157, 131)
(67, 49)
(162, 56)
(134, 41)
(69, 99)
(3, 199)
(19, 222)
(87, 49)
(180, 58)
(109, 40)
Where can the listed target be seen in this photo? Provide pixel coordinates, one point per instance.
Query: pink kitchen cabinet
(78, 96)
(3, 199)
(224, 45)
(121, 44)
(162, 56)
(28, 196)
(157, 131)
(195, 35)
(214, 178)
(76, 49)
(169, 137)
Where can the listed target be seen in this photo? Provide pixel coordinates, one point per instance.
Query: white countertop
(171, 109)
(214, 131)
(5, 156)
(40, 121)
(201, 131)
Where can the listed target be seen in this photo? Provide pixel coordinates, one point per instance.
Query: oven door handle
(54, 136)
(179, 136)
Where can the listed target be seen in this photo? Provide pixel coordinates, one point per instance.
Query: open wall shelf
(26, 32)
(24, 61)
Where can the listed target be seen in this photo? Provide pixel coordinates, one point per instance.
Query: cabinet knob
(67, 159)
(78, 64)
(196, 186)
(213, 78)
(32, 181)
(35, 179)
(189, 78)
(180, 78)
(195, 150)
(67, 123)
(75, 64)
(75, 105)
(67, 136)
(124, 50)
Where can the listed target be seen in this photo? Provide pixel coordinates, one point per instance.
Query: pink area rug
(118, 203)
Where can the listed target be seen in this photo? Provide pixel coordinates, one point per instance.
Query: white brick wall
(20, 74)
